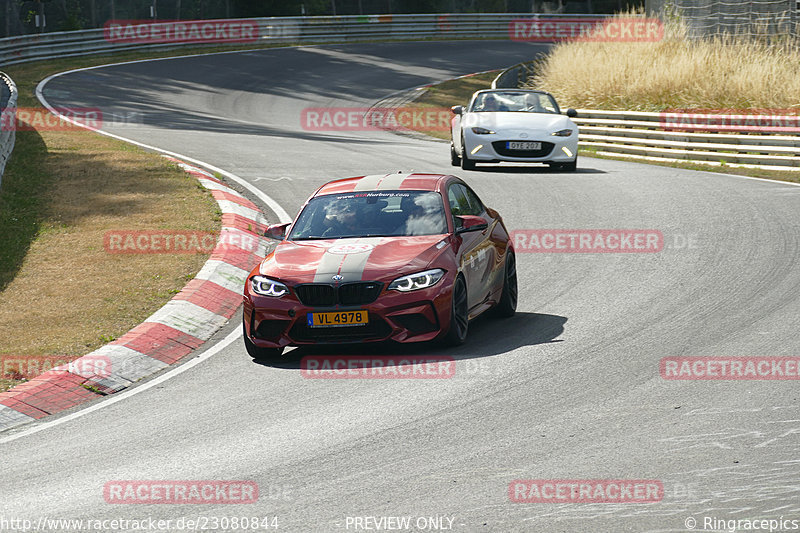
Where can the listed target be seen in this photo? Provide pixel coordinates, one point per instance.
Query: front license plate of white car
(523, 145)
(339, 318)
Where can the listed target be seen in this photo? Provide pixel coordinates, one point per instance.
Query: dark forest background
(19, 17)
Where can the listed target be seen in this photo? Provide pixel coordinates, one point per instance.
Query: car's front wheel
(466, 163)
(258, 353)
(569, 167)
(459, 315)
(455, 160)
(507, 305)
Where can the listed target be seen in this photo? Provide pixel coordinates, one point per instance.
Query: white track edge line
(283, 216)
(119, 396)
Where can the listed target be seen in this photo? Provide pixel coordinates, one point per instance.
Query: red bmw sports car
(406, 257)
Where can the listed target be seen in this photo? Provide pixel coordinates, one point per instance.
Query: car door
(476, 252)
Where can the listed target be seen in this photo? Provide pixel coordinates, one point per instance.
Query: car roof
(383, 182)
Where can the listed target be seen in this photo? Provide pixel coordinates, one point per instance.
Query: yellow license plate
(338, 318)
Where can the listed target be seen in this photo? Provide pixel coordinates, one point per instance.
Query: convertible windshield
(523, 102)
(371, 214)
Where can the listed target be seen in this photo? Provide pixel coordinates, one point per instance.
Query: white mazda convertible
(513, 125)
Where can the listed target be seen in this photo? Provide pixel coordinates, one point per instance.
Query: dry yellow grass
(70, 296)
(60, 292)
(729, 72)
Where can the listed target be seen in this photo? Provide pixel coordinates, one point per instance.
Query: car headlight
(421, 280)
(268, 287)
(562, 133)
(481, 131)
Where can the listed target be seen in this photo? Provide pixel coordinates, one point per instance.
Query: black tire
(466, 163)
(459, 315)
(454, 159)
(569, 167)
(258, 353)
(507, 306)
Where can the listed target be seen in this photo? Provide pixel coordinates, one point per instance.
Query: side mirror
(276, 232)
(571, 113)
(471, 223)
(457, 109)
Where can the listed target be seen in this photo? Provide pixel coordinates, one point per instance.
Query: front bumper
(490, 148)
(415, 316)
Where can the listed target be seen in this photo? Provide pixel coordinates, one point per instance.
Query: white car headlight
(421, 280)
(481, 131)
(562, 133)
(268, 287)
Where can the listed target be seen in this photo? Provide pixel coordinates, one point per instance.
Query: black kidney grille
(316, 294)
(359, 293)
(325, 295)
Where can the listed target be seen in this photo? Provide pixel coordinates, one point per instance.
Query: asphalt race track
(568, 389)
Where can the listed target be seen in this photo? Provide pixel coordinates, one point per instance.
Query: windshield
(523, 102)
(371, 214)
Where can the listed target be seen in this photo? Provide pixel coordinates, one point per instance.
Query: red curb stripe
(241, 259)
(52, 392)
(21, 407)
(243, 223)
(56, 391)
(201, 176)
(159, 341)
(233, 197)
(211, 296)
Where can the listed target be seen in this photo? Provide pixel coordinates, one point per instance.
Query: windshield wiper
(312, 238)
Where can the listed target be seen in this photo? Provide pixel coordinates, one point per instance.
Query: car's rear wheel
(258, 353)
(466, 163)
(455, 160)
(459, 315)
(507, 305)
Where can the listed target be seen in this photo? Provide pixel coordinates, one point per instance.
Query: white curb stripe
(10, 417)
(224, 275)
(232, 207)
(189, 318)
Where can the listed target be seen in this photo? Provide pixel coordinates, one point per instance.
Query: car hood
(372, 258)
(502, 122)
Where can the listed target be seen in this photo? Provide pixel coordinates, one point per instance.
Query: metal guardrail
(7, 123)
(679, 137)
(271, 30)
(696, 139)
(284, 30)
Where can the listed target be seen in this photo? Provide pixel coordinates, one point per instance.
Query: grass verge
(61, 294)
(442, 96)
(728, 72)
